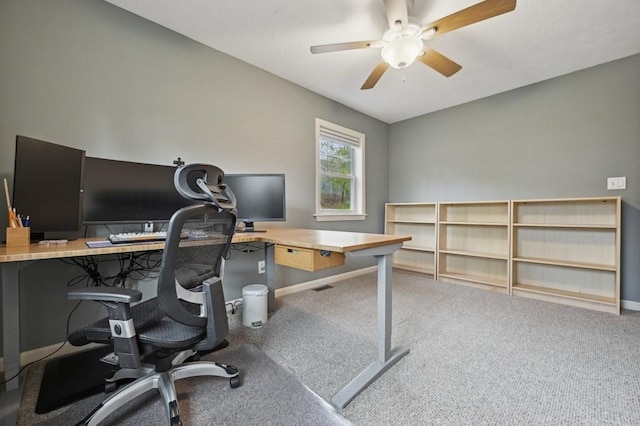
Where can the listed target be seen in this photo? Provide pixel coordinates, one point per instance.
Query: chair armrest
(217, 321)
(106, 294)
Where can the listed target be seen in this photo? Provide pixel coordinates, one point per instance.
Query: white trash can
(254, 305)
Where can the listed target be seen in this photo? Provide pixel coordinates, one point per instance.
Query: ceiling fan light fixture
(404, 41)
(402, 52)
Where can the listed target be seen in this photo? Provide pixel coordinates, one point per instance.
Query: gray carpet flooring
(269, 395)
(477, 358)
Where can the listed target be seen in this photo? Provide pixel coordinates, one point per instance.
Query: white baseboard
(323, 281)
(36, 354)
(67, 349)
(235, 304)
(630, 304)
(39, 353)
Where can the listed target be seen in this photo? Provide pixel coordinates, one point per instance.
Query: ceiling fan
(403, 42)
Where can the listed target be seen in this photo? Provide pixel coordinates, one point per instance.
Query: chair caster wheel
(234, 382)
(175, 421)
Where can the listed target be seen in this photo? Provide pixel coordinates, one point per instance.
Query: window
(339, 173)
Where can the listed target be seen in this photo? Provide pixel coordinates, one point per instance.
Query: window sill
(339, 217)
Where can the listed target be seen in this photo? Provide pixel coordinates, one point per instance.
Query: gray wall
(559, 138)
(86, 74)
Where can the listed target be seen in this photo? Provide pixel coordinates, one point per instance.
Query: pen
(13, 220)
(16, 218)
(26, 221)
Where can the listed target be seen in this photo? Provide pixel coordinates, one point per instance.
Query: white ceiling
(540, 39)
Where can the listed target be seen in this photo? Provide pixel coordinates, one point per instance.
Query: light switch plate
(617, 182)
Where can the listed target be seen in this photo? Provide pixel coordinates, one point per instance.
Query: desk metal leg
(11, 323)
(387, 357)
(270, 269)
(10, 399)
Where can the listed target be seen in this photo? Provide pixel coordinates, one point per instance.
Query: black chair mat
(71, 378)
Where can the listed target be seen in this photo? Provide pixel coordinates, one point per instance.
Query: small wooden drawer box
(307, 259)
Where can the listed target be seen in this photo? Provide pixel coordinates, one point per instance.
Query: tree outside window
(340, 177)
(336, 169)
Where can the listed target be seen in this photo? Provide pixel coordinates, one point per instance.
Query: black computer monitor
(260, 197)
(47, 187)
(128, 192)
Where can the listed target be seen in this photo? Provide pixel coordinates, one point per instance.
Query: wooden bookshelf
(473, 244)
(558, 250)
(568, 251)
(419, 221)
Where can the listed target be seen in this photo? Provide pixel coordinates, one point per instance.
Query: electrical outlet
(261, 266)
(617, 182)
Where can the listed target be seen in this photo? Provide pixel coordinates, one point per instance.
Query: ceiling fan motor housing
(401, 48)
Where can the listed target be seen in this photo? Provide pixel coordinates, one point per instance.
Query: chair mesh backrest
(204, 182)
(198, 239)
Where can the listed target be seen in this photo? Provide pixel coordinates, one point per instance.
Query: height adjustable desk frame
(352, 244)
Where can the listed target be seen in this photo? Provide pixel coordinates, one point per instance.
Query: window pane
(340, 185)
(335, 193)
(335, 157)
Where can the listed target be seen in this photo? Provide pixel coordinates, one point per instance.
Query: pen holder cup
(18, 237)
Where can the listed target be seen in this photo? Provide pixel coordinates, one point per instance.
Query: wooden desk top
(336, 241)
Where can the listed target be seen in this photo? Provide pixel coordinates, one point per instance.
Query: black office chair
(155, 341)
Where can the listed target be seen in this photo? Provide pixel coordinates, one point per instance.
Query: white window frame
(356, 140)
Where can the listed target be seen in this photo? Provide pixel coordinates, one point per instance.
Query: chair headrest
(204, 182)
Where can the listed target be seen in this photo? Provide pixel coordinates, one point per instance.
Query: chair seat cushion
(171, 335)
(149, 321)
(144, 314)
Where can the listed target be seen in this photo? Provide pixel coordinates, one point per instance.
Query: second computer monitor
(128, 192)
(260, 197)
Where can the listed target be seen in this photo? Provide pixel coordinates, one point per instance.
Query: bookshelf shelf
(473, 244)
(418, 220)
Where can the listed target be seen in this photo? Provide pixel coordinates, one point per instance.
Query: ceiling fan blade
(397, 11)
(375, 75)
(324, 48)
(476, 13)
(439, 62)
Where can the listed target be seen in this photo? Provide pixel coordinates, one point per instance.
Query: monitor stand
(36, 237)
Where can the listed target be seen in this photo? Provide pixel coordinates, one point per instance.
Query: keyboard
(137, 237)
